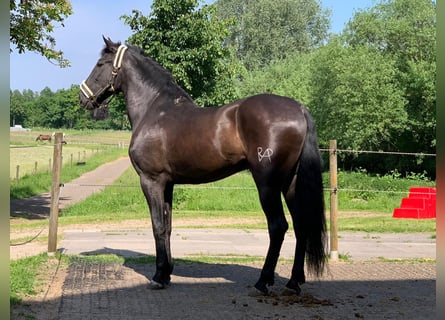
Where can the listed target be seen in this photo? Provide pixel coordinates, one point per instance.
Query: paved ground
(364, 288)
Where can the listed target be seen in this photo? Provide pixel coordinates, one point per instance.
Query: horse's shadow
(211, 290)
(145, 265)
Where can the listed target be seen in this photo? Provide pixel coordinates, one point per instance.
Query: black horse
(176, 142)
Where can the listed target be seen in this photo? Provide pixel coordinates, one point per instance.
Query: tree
(405, 31)
(267, 31)
(31, 25)
(69, 108)
(288, 77)
(17, 113)
(355, 97)
(188, 40)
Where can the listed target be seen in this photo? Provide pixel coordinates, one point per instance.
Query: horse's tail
(310, 200)
(38, 138)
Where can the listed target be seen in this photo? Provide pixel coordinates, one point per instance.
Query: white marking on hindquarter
(264, 154)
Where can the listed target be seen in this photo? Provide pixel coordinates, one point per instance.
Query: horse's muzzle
(85, 102)
(91, 104)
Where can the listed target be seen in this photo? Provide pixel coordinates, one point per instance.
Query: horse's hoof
(254, 292)
(160, 281)
(154, 285)
(261, 288)
(293, 288)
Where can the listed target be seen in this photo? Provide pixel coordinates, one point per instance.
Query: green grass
(385, 223)
(72, 137)
(24, 275)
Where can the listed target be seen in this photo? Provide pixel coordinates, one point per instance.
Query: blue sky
(81, 40)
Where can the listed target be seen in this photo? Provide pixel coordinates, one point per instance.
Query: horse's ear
(110, 45)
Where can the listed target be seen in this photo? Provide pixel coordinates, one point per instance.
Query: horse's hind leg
(298, 276)
(270, 197)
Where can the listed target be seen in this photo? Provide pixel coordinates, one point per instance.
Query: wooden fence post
(17, 174)
(333, 200)
(55, 191)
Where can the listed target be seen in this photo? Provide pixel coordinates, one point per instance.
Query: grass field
(84, 137)
(27, 157)
(25, 151)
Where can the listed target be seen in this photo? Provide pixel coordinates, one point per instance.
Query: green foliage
(289, 77)
(17, 108)
(61, 109)
(366, 192)
(355, 97)
(31, 25)
(270, 31)
(188, 40)
(404, 31)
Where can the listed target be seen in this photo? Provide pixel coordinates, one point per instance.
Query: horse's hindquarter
(273, 129)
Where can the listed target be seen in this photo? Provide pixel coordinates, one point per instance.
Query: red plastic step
(407, 213)
(420, 192)
(420, 204)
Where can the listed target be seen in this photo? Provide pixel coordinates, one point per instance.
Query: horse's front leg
(159, 198)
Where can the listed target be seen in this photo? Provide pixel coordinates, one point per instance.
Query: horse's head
(104, 80)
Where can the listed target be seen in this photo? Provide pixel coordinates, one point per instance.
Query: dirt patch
(287, 298)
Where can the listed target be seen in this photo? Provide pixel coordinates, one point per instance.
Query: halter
(117, 63)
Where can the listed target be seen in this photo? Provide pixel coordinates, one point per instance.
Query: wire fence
(246, 188)
(380, 152)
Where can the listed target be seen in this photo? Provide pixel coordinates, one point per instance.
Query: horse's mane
(163, 75)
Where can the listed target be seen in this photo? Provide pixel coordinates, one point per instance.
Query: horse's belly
(201, 174)
(196, 165)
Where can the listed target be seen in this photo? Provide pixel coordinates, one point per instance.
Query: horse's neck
(144, 96)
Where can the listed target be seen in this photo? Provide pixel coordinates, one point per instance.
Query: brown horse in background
(44, 137)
